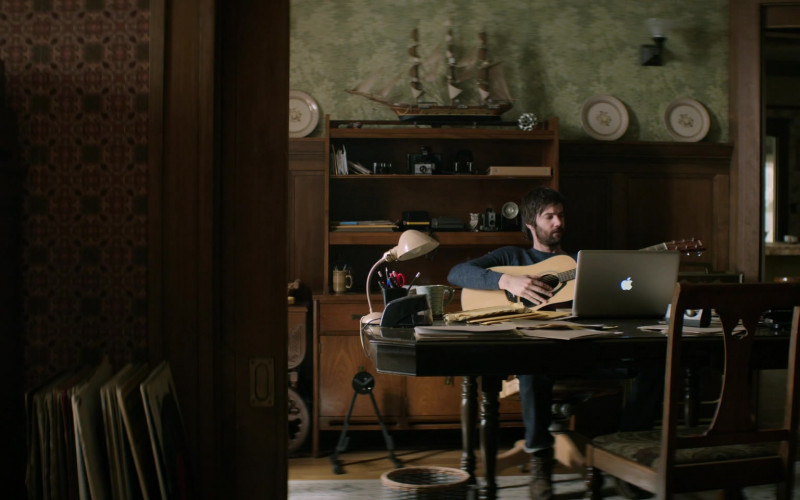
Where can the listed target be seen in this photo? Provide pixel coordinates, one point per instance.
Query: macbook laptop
(629, 283)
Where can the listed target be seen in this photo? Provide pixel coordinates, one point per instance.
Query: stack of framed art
(95, 433)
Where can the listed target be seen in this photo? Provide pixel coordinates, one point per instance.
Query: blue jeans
(641, 408)
(536, 396)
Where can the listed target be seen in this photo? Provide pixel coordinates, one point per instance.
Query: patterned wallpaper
(78, 79)
(555, 54)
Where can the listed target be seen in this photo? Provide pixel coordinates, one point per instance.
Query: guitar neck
(687, 246)
(565, 276)
(660, 247)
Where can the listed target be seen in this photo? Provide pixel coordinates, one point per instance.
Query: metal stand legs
(363, 383)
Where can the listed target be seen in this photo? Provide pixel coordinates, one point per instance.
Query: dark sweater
(475, 273)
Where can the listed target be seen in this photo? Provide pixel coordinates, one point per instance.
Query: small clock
(527, 121)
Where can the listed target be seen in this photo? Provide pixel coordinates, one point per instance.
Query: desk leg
(469, 425)
(490, 424)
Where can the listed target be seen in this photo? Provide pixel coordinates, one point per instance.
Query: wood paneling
(342, 359)
(306, 213)
(632, 195)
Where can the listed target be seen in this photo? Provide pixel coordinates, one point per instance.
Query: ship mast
(413, 72)
(452, 90)
(483, 68)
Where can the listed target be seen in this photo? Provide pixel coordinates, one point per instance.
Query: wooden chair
(733, 451)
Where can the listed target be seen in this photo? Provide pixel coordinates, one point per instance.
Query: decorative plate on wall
(303, 114)
(687, 120)
(604, 117)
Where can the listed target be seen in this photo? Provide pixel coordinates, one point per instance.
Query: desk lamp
(412, 244)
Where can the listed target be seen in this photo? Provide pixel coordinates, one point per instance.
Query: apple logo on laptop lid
(626, 284)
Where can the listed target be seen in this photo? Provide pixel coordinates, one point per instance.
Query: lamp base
(373, 317)
(651, 54)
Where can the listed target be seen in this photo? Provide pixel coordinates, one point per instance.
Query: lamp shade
(412, 244)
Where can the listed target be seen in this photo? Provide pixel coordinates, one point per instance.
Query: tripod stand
(363, 382)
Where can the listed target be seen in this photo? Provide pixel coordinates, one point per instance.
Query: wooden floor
(366, 456)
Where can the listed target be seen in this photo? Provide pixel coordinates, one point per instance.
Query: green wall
(556, 54)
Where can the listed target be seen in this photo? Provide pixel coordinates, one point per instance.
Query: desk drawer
(346, 317)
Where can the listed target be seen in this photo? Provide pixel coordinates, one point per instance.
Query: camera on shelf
(425, 162)
(489, 221)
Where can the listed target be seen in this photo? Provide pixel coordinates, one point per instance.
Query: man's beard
(551, 239)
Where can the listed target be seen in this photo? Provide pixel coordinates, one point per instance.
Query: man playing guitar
(544, 221)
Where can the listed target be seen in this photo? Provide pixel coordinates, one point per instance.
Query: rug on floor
(567, 487)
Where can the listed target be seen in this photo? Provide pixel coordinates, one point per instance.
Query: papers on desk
(500, 314)
(690, 331)
(515, 329)
(563, 330)
(466, 332)
(485, 312)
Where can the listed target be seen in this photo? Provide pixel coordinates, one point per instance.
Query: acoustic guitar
(558, 272)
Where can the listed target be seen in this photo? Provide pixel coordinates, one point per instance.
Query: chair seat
(644, 447)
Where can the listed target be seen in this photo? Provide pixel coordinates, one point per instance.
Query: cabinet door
(438, 397)
(341, 357)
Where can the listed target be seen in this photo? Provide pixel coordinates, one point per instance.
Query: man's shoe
(542, 462)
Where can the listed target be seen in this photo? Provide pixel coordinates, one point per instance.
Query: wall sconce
(651, 54)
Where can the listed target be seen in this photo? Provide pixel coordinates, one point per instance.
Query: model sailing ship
(490, 101)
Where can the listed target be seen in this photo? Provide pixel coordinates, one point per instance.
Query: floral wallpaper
(77, 77)
(555, 55)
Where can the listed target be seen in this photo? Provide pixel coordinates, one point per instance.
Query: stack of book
(521, 171)
(363, 225)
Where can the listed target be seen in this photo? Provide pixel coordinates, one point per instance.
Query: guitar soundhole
(549, 279)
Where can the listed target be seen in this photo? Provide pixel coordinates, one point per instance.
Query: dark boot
(542, 463)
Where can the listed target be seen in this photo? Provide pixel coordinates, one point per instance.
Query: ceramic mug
(439, 297)
(342, 281)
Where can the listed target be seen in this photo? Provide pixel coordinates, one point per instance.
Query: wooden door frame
(747, 122)
(217, 233)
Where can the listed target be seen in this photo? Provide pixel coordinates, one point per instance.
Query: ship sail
(490, 78)
(498, 88)
(483, 68)
(413, 72)
(452, 90)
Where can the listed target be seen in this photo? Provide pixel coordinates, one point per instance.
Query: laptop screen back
(628, 283)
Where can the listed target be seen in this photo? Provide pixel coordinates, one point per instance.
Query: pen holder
(389, 294)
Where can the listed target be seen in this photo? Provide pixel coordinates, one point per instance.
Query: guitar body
(558, 272)
(563, 290)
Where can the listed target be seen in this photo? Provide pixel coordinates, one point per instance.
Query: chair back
(734, 425)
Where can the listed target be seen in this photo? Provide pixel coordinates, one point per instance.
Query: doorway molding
(747, 125)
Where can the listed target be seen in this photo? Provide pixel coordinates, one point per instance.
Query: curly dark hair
(534, 204)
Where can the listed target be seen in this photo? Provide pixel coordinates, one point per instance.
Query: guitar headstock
(687, 246)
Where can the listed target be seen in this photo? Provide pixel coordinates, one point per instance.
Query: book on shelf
(363, 225)
(521, 171)
(356, 168)
(339, 161)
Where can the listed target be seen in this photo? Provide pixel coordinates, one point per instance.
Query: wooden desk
(395, 351)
